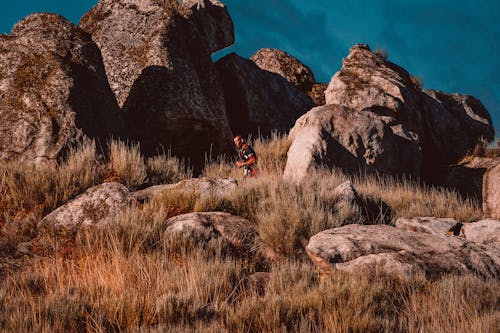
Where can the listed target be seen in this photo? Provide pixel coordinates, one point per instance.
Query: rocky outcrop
(434, 128)
(53, 90)
(159, 65)
(334, 136)
(491, 193)
(401, 252)
(203, 187)
(97, 206)
(368, 82)
(259, 101)
(239, 232)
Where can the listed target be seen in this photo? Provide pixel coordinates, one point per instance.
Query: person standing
(247, 159)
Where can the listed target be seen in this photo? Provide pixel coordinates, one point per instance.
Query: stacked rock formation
(377, 118)
(157, 57)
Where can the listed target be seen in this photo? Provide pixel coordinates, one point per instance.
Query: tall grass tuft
(127, 163)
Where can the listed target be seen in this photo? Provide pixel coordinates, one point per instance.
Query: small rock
(345, 196)
(241, 233)
(97, 206)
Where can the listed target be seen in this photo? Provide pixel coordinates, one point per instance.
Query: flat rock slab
(205, 187)
(97, 206)
(401, 252)
(240, 232)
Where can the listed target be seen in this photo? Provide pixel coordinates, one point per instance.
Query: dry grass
(128, 277)
(127, 163)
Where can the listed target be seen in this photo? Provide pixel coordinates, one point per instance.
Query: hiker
(246, 157)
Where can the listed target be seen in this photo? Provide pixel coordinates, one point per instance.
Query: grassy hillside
(126, 278)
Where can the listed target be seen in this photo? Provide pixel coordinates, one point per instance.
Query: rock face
(53, 90)
(368, 82)
(159, 66)
(491, 193)
(454, 124)
(467, 178)
(282, 63)
(240, 232)
(205, 187)
(317, 93)
(332, 135)
(259, 101)
(96, 206)
(436, 129)
(213, 22)
(401, 252)
(294, 71)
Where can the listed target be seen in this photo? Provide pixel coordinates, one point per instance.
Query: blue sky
(454, 46)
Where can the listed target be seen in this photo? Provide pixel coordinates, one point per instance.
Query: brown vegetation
(125, 277)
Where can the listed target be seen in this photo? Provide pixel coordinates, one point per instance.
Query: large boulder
(368, 82)
(401, 252)
(205, 187)
(259, 101)
(282, 63)
(158, 59)
(491, 193)
(293, 70)
(334, 136)
(97, 206)
(53, 90)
